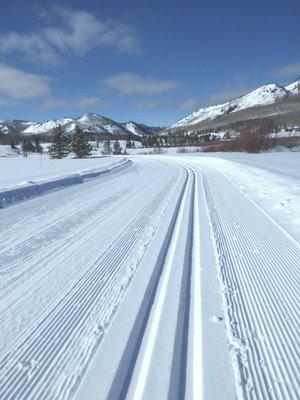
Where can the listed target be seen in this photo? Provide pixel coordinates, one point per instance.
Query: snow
(283, 133)
(134, 128)
(169, 276)
(7, 151)
(90, 118)
(37, 168)
(270, 179)
(112, 128)
(267, 94)
(47, 126)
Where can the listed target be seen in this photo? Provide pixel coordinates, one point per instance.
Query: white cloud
(129, 83)
(78, 33)
(286, 70)
(83, 102)
(16, 84)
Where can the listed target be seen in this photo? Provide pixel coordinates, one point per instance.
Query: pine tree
(128, 144)
(37, 145)
(117, 148)
(60, 144)
(80, 144)
(27, 146)
(106, 148)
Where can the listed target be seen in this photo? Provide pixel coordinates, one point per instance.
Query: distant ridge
(89, 122)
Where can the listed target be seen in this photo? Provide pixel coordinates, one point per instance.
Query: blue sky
(148, 61)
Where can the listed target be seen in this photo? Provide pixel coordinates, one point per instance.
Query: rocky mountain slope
(267, 100)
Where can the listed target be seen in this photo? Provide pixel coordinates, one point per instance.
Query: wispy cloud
(17, 84)
(286, 70)
(82, 102)
(78, 32)
(128, 83)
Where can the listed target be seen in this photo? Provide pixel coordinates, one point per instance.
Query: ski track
(155, 317)
(140, 379)
(259, 274)
(66, 277)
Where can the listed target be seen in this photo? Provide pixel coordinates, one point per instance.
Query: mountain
(294, 88)
(267, 100)
(89, 122)
(13, 126)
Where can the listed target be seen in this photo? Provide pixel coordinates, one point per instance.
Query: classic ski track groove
(260, 277)
(152, 329)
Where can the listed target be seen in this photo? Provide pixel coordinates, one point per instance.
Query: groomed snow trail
(259, 274)
(155, 354)
(159, 281)
(162, 357)
(64, 274)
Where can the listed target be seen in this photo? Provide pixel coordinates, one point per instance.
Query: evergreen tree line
(62, 145)
(29, 146)
(78, 144)
(115, 149)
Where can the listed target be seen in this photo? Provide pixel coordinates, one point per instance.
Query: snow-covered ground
(173, 276)
(17, 170)
(272, 180)
(36, 168)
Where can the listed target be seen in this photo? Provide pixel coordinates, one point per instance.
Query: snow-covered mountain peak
(89, 118)
(264, 95)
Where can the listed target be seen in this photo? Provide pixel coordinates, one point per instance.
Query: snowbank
(56, 174)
